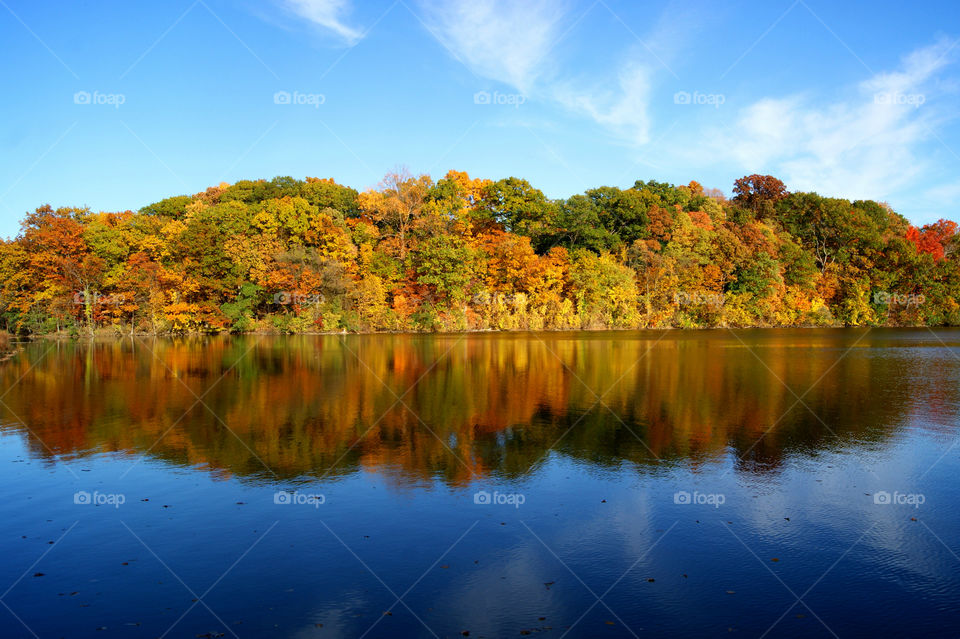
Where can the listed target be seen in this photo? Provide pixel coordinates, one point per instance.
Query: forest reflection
(462, 407)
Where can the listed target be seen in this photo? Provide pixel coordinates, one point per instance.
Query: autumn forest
(460, 253)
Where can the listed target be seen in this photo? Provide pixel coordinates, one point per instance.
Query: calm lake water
(796, 483)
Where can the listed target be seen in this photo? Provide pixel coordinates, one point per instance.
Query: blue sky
(114, 105)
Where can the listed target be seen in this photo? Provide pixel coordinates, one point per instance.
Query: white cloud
(498, 39)
(623, 111)
(862, 145)
(328, 14)
(514, 42)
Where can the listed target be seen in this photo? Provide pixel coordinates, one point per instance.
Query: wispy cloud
(501, 40)
(622, 110)
(516, 43)
(328, 14)
(862, 143)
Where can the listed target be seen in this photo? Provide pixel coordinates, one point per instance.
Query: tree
(518, 208)
(396, 205)
(327, 194)
(579, 225)
(623, 213)
(171, 207)
(60, 254)
(935, 239)
(759, 193)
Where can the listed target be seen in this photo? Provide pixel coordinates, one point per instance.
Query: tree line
(461, 253)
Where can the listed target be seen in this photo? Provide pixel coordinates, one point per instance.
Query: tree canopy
(462, 253)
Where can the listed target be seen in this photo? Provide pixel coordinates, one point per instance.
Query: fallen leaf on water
(775, 559)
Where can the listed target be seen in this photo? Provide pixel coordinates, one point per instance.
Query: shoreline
(108, 335)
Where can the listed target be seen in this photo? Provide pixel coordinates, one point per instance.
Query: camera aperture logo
(884, 498)
(96, 498)
(485, 498)
(684, 497)
(283, 497)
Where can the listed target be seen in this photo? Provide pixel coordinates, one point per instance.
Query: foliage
(463, 253)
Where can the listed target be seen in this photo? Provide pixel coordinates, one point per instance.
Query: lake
(779, 483)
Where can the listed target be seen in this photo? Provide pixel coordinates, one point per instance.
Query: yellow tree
(396, 205)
